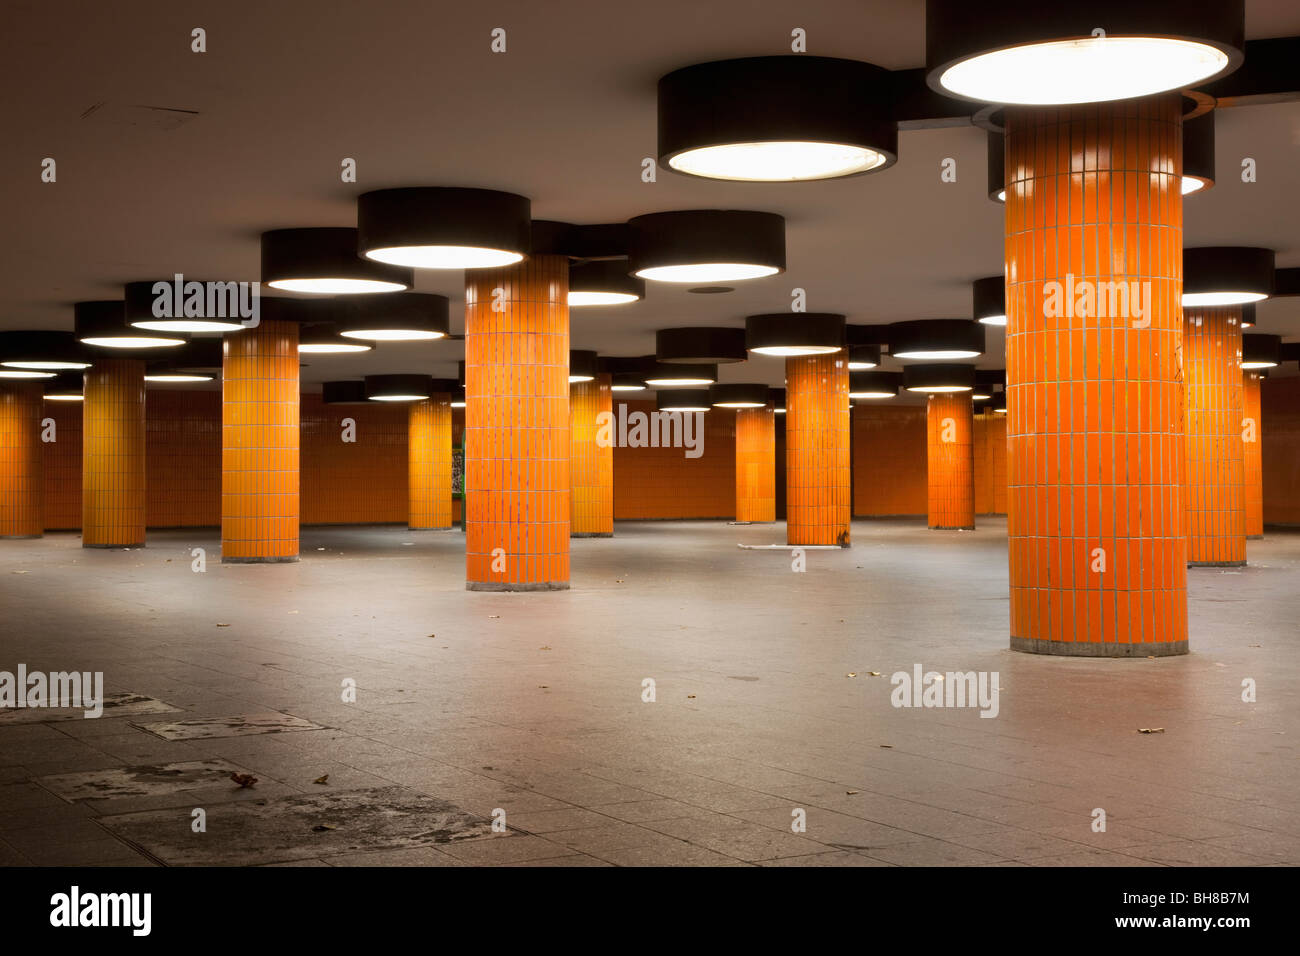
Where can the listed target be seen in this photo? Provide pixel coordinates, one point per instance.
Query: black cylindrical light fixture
(41, 350)
(1260, 351)
(794, 333)
(323, 338)
(199, 355)
(324, 261)
(398, 388)
(939, 378)
(102, 324)
(1289, 352)
(65, 387)
(701, 345)
(187, 305)
(439, 227)
(874, 384)
(583, 365)
(1198, 153)
(778, 400)
(603, 282)
(1248, 316)
(738, 395)
(346, 392)
(682, 400)
(777, 119)
(936, 340)
(181, 366)
(863, 357)
(626, 374)
(706, 245)
(989, 381)
(989, 300)
(997, 166)
(395, 317)
(1226, 275)
(672, 375)
(1031, 53)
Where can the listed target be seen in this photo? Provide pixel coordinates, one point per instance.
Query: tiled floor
(532, 704)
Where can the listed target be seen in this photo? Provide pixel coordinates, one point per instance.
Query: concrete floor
(469, 703)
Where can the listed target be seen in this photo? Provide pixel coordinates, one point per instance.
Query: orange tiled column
(1252, 460)
(756, 464)
(1216, 504)
(22, 472)
(817, 455)
(950, 462)
(1095, 432)
(259, 445)
(428, 463)
(591, 465)
(517, 426)
(112, 455)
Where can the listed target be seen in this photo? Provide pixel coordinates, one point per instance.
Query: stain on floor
(115, 705)
(142, 781)
(237, 725)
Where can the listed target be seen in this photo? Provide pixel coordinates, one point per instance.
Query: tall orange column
(112, 455)
(1252, 448)
(1095, 432)
(950, 462)
(428, 463)
(1216, 503)
(756, 464)
(517, 426)
(259, 444)
(817, 454)
(22, 473)
(591, 468)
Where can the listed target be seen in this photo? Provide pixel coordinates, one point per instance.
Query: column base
(105, 547)
(446, 527)
(1033, 645)
(290, 559)
(591, 534)
(1216, 564)
(19, 537)
(751, 522)
(516, 586)
(1254, 537)
(952, 527)
(844, 546)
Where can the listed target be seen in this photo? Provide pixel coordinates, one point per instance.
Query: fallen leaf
(851, 792)
(433, 635)
(545, 647)
(544, 686)
(1151, 730)
(19, 572)
(888, 746)
(690, 696)
(493, 616)
(246, 781)
(223, 625)
(874, 673)
(851, 674)
(322, 827)
(322, 779)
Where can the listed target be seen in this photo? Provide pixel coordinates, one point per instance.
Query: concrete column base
(1031, 645)
(507, 586)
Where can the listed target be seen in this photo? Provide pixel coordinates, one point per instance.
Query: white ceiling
(413, 93)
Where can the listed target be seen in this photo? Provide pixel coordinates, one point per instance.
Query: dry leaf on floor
(888, 746)
(19, 572)
(852, 792)
(851, 674)
(543, 686)
(690, 696)
(1151, 730)
(545, 647)
(493, 616)
(322, 779)
(219, 624)
(245, 780)
(874, 673)
(322, 827)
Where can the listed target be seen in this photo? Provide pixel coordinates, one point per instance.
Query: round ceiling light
(440, 227)
(706, 245)
(41, 350)
(603, 282)
(874, 384)
(669, 375)
(24, 374)
(180, 305)
(346, 392)
(166, 374)
(325, 262)
(738, 395)
(626, 374)
(102, 323)
(683, 400)
(1226, 275)
(1261, 351)
(936, 340)
(863, 357)
(1029, 53)
(398, 388)
(938, 379)
(777, 119)
(700, 345)
(583, 366)
(989, 297)
(323, 338)
(795, 333)
(395, 317)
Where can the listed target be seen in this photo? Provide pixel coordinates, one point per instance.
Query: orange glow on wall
(950, 462)
(756, 464)
(182, 458)
(817, 449)
(1216, 503)
(113, 455)
(1252, 463)
(22, 461)
(259, 444)
(429, 463)
(889, 469)
(1280, 451)
(990, 463)
(591, 469)
(1096, 446)
(663, 484)
(517, 426)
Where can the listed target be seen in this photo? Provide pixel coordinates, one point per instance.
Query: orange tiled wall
(756, 464)
(22, 479)
(361, 482)
(112, 455)
(183, 458)
(818, 467)
(1280, 451)
(662, 483)
(63, 467)
(889, 469)
(517, 425)
(1252, 442)
(950, 463)
(1095, 427)
(591, 466)
(260, 444)
(1216, 504)
(990, 463)
(428, 463)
